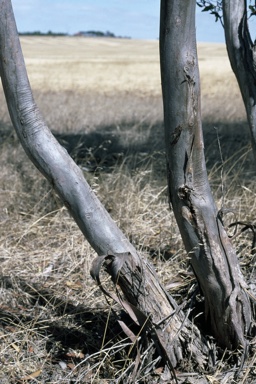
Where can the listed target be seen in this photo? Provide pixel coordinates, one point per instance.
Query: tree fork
(211, 253)
(174, 335)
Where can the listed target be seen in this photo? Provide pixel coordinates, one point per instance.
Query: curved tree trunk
(212, 255)
(242, 56)
(145, 299)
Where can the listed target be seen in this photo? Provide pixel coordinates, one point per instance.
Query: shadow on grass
(64, 325)
(137, 144)
(106, 147)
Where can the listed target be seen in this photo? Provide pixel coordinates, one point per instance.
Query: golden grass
(109, 66)
(55, 326)
(102, 65)
(112, 65)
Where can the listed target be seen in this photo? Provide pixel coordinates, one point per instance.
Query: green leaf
(217, 16)
(208, 8)
(252, 9)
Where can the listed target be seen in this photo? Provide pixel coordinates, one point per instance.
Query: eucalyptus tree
(213, 258)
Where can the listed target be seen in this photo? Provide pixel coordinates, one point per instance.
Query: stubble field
(102, 100)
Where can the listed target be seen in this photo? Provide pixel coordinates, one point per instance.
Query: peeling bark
(211, 253)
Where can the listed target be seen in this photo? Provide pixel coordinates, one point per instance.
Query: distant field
(108, 65)
(119, 65)
(104, 65)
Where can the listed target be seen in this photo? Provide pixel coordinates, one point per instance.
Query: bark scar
(189, 79)
(176, 135)
(188, 168)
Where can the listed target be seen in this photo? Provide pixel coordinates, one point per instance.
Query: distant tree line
(80, 33)
(95, 34)
(38, 33)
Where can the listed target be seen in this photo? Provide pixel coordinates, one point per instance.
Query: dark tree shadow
(106, 147)
(137, 145)
(228, 142)
(69, 326)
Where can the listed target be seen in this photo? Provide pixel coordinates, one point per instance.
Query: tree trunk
(242, 56)
(209, 249)
(145, 299)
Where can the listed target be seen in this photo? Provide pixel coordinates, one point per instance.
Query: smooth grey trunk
(173, 335)
(242, 56)
(209, 249)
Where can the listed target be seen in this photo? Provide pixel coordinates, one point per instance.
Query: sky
(137, 19)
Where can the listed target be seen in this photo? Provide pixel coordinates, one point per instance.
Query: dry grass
(55, 326)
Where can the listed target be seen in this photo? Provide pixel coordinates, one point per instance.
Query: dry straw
(56, 326)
